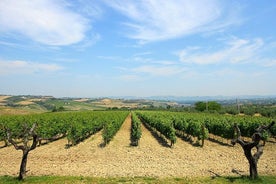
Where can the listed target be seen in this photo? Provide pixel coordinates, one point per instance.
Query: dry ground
(110, 103)
(150, 158)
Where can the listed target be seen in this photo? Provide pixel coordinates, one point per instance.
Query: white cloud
(152, 20)
(234, 51)
(44, 21)
(25, 67)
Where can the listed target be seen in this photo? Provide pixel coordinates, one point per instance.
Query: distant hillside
(222, 99)
(36, 104)
(23, 104)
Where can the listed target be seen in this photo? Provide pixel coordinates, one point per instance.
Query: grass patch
(151, 180)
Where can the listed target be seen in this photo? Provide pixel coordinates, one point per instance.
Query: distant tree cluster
(248, 109)
(207, 106)
(59, 109)
(267, 111)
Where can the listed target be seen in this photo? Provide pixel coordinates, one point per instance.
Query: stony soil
(151, 158)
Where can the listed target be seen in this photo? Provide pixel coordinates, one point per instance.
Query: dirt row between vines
(150, 158)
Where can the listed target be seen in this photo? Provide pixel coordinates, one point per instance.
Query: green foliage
(265, 135)
(208, 106)
(77, 126)
(201, 106)
(136, 131)
(201, 124)
(192, 125)
(61, 108)
(84, 124)
(159, 121)
(214, 106)
(268, 110)
(167, 122)
(112, 124)
(3, 136)
(273, 130)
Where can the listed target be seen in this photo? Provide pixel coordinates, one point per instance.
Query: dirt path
(150, 158)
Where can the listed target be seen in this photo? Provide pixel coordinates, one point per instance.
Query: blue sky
(85, 48)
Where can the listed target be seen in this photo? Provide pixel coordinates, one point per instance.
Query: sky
(97, 48)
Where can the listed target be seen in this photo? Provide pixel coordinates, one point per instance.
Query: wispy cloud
(152, 20)
(86, 7)
(25, 67)
(233, 51)
(48, 22)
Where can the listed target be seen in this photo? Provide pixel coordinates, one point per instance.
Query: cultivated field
(151, 158)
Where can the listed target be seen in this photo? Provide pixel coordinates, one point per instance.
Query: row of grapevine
(81, 127)
(14, 124)
(3, 136)
(76, 126)
(136, 131)
(192, 126)
(159, 122)
(112, 125)
(176, 122)
(200, 124)
(222, 125)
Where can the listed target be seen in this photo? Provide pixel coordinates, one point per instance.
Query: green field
(79, 179)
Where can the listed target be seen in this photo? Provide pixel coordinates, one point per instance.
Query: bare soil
(151, 158)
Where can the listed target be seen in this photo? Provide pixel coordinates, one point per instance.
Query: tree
(248, 145)
(211, 106)
(200, 106)
(26, 134)
(214, 106)
(61, 108)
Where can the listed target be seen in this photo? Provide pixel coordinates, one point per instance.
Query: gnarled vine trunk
(23, 165)
(247, 147)
(25, 148)
(252, 159)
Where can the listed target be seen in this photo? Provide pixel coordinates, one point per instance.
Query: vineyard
(199, 125)
(140, 143)
(75, 126)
